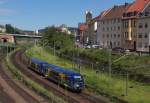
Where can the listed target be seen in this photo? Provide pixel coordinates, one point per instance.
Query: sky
(36, 14)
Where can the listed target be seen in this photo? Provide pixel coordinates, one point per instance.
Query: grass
(31, 84)
(99, 83)
(131, 63)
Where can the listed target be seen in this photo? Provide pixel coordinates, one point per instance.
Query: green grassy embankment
(31, 84)
(137, 66)
(99, 83)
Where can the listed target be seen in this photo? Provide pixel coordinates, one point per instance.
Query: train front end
(78, 83)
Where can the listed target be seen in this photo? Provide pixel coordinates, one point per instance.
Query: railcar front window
(77, 78)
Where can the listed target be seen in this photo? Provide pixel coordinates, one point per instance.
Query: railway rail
(17, 60)
(12, 91)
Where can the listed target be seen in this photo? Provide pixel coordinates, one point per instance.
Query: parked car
(96, 46)
(118, 50)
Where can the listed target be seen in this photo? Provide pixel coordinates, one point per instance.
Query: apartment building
(125, 26)
(143, 30)
(110, 26)
(82, 33)
(130, 19)
(87, 32)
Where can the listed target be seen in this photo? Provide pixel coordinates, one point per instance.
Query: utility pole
(110, 69)
(54, 48)
(127, 77)
(110, 63)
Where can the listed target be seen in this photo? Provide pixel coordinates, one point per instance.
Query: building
(7, 38)
(2, 29)
(110, 26)
(82, 37)
(143, 30)
(88, 30)
(130, 19)
(125, 26)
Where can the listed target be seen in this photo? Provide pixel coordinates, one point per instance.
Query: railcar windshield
(77, 78)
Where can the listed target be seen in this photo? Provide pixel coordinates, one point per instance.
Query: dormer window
(140, 14)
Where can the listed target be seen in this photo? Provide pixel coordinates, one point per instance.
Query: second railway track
(70, 97)
(11, 90)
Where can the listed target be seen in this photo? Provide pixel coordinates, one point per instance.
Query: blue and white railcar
(70, 79)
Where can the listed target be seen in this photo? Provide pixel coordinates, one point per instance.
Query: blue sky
(35, 14)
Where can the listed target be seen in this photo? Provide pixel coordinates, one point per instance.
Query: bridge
(24, 36)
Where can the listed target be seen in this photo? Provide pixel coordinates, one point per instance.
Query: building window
(103, 29)
(140, 25)
(103, 22)
(107, 29)
(107, 21)
(114, 28)
(146, 36)
(114, 35)
(118, 43)
(103, 35)
(111, 28)
(134, 23)
(146, 25)
(107, 35)
(118, 27)
(114, 20)
(146, 45)
(140, 44)
(114, 43)
(140, 35)
(118, 35)
(118, 20)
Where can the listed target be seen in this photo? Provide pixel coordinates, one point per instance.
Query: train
(66, 78)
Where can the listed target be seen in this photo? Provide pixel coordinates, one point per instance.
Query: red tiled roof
(138, 6)
(83, 27)
(115, 12)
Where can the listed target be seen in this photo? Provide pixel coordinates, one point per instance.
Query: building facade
(125, 26)
(110, 27)
(143, 30)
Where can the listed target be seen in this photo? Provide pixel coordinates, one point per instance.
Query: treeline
(11, 29)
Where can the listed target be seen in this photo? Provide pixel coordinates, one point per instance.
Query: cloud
(4, 11)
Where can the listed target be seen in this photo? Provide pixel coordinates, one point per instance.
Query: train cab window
(77, 78)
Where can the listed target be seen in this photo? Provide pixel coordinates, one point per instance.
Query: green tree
(53, 37)
(11, 30)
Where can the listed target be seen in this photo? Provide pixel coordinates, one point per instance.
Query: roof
(56, 68)
(38, 61)
(115, 12)
(83, 27)
(62, 70)
(138, 6)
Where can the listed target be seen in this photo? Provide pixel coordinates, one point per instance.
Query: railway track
(12, 91)
(56, 89)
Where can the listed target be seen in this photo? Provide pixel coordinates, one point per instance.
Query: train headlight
(77, 85)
